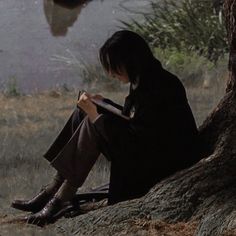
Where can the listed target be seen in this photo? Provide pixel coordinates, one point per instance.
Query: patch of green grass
(12, 87)
(192, 69)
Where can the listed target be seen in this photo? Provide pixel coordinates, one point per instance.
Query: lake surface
(40, 40)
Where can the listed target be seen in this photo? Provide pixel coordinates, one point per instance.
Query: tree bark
(230, 16)
(204, 193)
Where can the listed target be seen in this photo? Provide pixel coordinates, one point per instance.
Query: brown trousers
(75, 150)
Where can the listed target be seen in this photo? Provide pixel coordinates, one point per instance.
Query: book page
(109, 107)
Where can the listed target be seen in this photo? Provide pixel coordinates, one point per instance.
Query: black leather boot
(53, 210)
(35, 204)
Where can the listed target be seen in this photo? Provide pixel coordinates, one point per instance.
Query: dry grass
(29, 124)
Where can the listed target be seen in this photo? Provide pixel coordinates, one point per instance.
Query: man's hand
(87, 105)
(98, 96)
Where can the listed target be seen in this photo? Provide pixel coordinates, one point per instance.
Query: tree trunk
(204, 193)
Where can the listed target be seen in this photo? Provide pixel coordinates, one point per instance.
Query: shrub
(188, 25)
(191, 68)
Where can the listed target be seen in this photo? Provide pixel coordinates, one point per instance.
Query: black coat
(160, 139)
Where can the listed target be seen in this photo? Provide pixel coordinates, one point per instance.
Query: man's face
(122, 76)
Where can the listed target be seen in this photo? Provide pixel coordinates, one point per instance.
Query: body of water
(40, 39)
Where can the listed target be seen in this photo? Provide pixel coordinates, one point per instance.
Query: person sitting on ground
(159, 138)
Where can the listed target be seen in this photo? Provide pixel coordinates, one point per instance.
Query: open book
(109, 108)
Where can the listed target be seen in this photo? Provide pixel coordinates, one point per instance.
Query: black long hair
(126, 50)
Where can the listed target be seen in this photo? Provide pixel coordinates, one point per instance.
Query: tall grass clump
(95, 78)
(187, 25)
(92, 76)
(12, 88)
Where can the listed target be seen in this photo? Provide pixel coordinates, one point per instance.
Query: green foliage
(187, 25)
(191, 68)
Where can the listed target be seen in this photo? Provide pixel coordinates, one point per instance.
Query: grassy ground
(29, 124)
